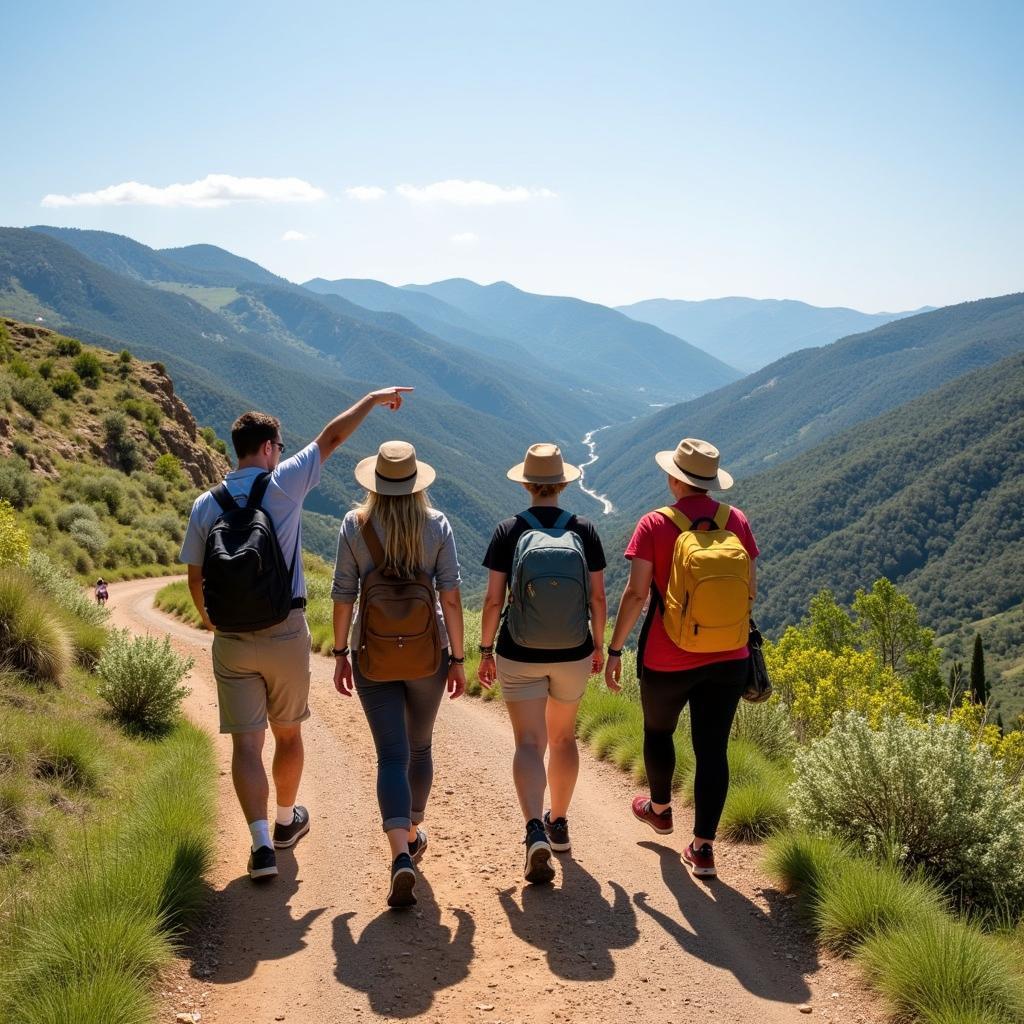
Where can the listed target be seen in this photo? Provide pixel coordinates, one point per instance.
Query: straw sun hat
(543, 465)
(394, 470)
(695, 462)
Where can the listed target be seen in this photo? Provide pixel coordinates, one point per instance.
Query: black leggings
(713, 693)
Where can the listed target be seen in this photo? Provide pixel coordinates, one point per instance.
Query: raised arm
(343, 426)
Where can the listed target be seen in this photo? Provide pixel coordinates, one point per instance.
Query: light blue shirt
(289, 484)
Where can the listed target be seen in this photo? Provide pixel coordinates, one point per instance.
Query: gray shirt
(289, 484)
(440, 560)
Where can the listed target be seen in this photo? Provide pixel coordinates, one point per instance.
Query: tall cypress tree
(979, 685)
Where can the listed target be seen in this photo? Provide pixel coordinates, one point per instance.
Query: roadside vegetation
(105, 791)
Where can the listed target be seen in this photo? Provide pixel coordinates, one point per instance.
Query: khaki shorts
(560, 680)
(263, 676)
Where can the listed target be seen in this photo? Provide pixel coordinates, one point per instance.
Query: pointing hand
(391, 397)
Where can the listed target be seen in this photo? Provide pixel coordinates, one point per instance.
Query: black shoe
(417, 847)
(289, 835)
(538, 867)
(558, 833)
(262, 863)
(403, 882)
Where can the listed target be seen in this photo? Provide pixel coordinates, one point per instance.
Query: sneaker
(558, 833)
(289, 835)
(661, 823)
(417, 847)
(403, 882)
(538, 867)
(702, 861)
(262, 863)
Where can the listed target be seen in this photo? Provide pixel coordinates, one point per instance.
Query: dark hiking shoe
(538, 867)
(403, 882)
(558, 833)
(643, 811)
(701, 862)
(262, 863)
(418, 846)
(289, 835)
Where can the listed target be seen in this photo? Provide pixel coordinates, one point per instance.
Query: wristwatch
(614, 652)
(340, 652)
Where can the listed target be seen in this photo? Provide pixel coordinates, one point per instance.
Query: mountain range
(750, 333)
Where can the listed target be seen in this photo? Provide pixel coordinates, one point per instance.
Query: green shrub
(89, 641)
(103, 995)
(67, 346)
(141, 681)
(124, 356)
(939, 969)
(33, 394)
(20, 368)
(66, 385)
(33, 641)
(14, 546)
(89, 368)
(155, 486)
(802, 862)
(755, 810)
(46, 369)
(105, 489)
(15, 825)
(89, 535)
(54, 581)
(169, 467)
(862, 898)
(767, 726)
(68, 752)
(925, 794)
(76, 512)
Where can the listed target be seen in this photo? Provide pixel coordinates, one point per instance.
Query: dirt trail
(624, 934)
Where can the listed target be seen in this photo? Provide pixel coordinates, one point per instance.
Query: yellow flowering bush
(816, 684)
(1008, 749)
(13, 539)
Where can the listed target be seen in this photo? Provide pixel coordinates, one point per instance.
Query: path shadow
(573, 924)
(270, 932)
(720, 926)
(402, 959)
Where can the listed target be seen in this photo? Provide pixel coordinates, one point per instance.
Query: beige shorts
(560, 680)
(263, 676)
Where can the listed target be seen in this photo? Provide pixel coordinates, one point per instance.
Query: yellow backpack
(706, 608)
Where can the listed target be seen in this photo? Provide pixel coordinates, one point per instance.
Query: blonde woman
(394, 542)
(547, 573)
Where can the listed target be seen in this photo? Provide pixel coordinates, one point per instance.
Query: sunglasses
(278, 445)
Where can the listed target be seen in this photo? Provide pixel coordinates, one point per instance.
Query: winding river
(606, 506)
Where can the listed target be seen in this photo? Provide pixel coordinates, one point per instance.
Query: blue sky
(863, 154)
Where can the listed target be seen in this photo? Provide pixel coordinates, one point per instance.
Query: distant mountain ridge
(750, 333)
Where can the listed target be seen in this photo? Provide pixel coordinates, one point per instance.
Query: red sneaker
(702, 861)
(661, 823)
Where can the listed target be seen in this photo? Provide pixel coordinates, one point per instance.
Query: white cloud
(366, 193)
(294, 236)
(465, 238)
(213, 190)
(472, 193)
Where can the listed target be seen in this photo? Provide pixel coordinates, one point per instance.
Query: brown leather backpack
(398, 633)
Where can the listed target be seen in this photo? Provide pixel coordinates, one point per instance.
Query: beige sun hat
(695, 462)
(394, 470)
(543, 465)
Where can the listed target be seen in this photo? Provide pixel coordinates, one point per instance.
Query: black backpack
(246, 583)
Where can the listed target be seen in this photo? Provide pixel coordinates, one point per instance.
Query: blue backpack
(549, 592)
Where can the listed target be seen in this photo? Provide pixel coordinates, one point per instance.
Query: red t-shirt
(654, 540)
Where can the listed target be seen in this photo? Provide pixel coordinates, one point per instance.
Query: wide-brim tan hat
(543, 465)
(395, 470)
(695, 462)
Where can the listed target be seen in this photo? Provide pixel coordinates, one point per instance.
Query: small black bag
(247, 584)
(759, 686)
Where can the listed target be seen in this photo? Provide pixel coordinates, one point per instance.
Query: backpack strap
(722, 515)
(678, 519)
(531, 520)
(372, 541)
(223, 497)
(562, 522)
(258, 491)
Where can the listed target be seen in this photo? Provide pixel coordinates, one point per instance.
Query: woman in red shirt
(671, 678)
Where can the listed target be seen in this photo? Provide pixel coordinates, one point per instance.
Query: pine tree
(979, 685)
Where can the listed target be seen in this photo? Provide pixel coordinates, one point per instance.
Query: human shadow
(402, 960)
(270, 932)
(573, 924)
(722, 927)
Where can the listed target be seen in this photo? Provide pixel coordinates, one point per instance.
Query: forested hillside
(799, 401)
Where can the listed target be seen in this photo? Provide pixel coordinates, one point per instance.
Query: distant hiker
(396, 554)
(695, 559)
(101, 591)
(243, 548)
(550, 563)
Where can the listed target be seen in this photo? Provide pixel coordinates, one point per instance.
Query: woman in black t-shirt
(542, 687)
